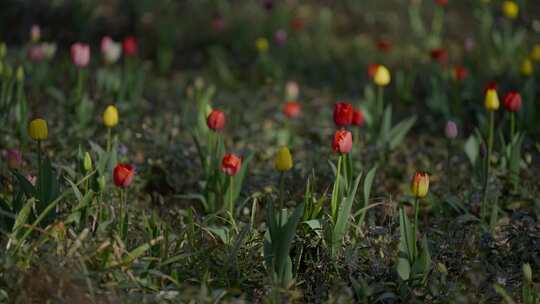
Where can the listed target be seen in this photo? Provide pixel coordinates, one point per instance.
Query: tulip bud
(31, 179)
(215, 120)
(38, 129)
(535, 53)
(491, 101)
(343, 114)
(87, 163)
(123, 175)
(527, 272)
(441, 2)
(261, 44)
(14, 159)
(102, 183)
(292, 90)
(230, 164)
(358, 117)
(440, 55)
(451, 130)
(510, 9)
(527, 67)
(342, 141)
(482, 150)
(110, 49)
(512, 101)
(420, 184)
(35, 33)
(382, 76)
(129, 45)
(20, 74)
(291, 109)
(460, 73)
(110, 116)
(280, 37)
(80, 54)
(283, 161)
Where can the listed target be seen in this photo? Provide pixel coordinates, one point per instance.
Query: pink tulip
(80, 54)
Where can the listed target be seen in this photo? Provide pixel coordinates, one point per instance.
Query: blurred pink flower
(110, 49)
(32, 179)
(80, 54)
(14, 158)
(35, 33)
(280, 37)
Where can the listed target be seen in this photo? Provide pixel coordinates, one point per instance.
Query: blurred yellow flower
(261, 44)
(110, 116)
(526, 67)
(492, 100)
(510, 9)
(535, 53)
(38, 129)
(382, 76)
(283, 161)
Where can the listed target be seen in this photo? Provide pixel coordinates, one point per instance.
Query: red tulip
(372, 69)
(230, 164)
(297, 24)
(343, 114)
(512, 101)
(384, 45)
(460, 73)
(441, 2)
(342, 141)
(129, 46)
(492, 85)
(291, 109)
(123, 175)
(440, 55)
(358, 117)
(216, 120)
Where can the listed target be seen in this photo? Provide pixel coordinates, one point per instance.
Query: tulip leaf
(343, 215)
(399, 131)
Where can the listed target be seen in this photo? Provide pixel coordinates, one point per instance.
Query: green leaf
(368, 183)
(399, 131)
(344, 214)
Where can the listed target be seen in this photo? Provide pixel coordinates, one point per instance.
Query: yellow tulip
(382, 76)
(283, 161)
(535, 53)
(420, 184)
(510, 9)
(261, 44)
(110, 116)
(526, 67)
(491, 101)
(38, 129)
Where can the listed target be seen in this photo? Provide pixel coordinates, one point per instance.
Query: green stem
(488, 161)
(231, 202)
(336, 189)
(448, 168)
(39, 156)
(79, 88)
(281, 187)
(512, 126)
(109, 139)
(416, 209)
(380, 102)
